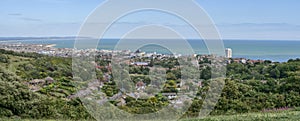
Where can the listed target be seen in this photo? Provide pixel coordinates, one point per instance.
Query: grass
(270, 116)
(291, 115)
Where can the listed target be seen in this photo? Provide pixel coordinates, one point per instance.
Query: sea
(274, 50)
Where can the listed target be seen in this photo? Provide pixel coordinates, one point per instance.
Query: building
(140, 85)
(228, 53)
(170, 95)
(140, 63)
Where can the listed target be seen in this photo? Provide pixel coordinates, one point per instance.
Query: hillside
(35, 86)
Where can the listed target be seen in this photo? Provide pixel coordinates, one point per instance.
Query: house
(106, 78)
(243, 61)
(200, 84)
(170, 95)
(49, 80)
(140, 85)
(35, 85)
(140, 63)
(37, 82)
(263, 81)
(185, 88)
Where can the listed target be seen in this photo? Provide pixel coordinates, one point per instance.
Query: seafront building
(50, 50)
(228, 52)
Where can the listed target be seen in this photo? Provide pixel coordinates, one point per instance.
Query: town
(140, 65)
(50, 50)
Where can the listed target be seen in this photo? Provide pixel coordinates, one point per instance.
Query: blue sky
(235, 19)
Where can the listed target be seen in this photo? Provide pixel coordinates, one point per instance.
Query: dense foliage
(17, 100)
(256, 87)
(248, 87)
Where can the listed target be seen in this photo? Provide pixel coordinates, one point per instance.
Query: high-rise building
(228, 52)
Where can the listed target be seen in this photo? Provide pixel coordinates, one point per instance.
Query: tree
(275, 73)
(4, 58)
(206, 73)
(170, 76)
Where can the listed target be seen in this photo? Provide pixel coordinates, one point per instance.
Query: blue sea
(275, 50)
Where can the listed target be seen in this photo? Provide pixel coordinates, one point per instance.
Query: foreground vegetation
(291, 115)
(270, 116)
(252, 90)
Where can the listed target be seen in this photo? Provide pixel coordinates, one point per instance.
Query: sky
(235, 19)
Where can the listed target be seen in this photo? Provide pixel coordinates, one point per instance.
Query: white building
(228, 52)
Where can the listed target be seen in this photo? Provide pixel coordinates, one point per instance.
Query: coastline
(276, 51)
(50, 45)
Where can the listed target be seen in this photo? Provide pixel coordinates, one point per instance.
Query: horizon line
(58, 37)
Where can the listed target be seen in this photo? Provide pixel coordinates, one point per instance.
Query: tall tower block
(228, 52)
